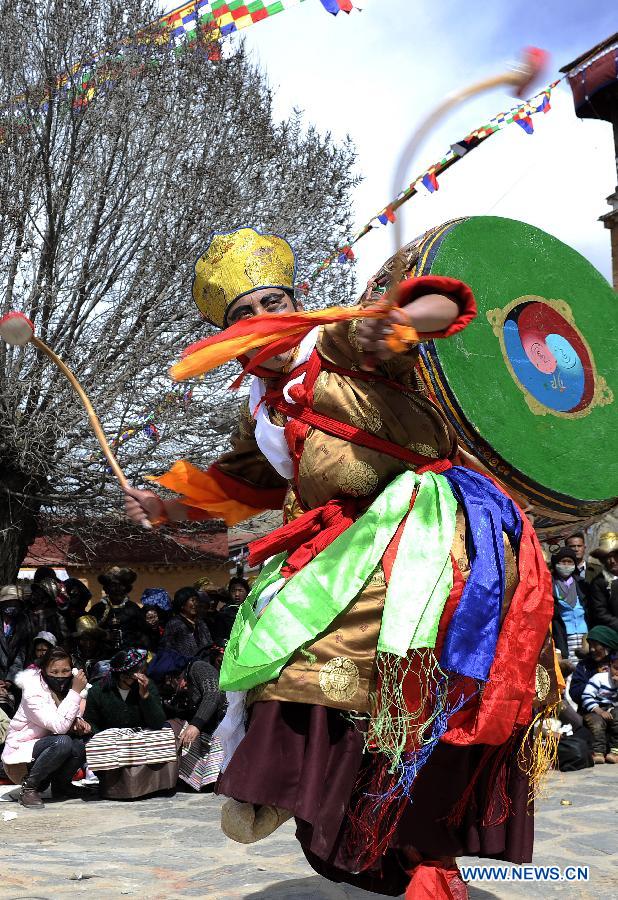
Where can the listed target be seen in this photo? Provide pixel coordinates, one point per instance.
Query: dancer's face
(263, 302)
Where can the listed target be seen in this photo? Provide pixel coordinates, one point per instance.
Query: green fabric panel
(259, 648)
(422, 575)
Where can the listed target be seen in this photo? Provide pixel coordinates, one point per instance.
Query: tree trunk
(18, 523)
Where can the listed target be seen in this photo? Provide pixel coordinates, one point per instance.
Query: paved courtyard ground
(171, 848)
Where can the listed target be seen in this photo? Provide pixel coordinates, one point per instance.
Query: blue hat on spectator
(167, 662)
(157, 597)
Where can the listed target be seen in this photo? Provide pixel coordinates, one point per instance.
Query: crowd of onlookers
(116, 698)
(585, 631)
(120, 698)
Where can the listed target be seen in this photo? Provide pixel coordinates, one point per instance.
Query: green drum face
(531, 386)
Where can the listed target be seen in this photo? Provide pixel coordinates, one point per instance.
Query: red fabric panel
(507, 698)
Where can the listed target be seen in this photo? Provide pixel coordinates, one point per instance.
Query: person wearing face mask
(45, 741)
(569, 624)
(15, 633)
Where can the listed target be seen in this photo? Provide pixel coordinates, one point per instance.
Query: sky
(374, 75)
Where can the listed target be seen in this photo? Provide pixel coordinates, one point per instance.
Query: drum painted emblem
(548, 357)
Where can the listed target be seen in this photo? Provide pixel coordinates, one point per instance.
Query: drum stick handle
(92, 416)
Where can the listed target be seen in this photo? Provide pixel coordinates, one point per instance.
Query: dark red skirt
(309, 759)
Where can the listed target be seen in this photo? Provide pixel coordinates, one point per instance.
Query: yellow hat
(237, 263)
(608, 543)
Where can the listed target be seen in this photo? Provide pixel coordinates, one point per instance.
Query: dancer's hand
(143, 507)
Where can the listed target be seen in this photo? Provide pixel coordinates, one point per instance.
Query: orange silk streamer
(249, 334)
(201, 490)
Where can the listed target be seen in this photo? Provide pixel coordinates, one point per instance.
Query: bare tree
(111, 181)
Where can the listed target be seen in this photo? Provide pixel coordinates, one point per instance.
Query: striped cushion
(118, 747)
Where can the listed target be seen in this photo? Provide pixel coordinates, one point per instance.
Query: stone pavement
(171, 848)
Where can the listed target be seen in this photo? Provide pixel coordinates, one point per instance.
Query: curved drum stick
(16, 329)
(520, 77)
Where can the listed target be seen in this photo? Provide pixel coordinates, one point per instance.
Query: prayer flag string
(204, 21)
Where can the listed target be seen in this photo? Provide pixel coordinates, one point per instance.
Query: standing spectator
(159, 599)
(600, 705)
(238, 590)
(185, 632)
(152, 627)
(44, 743)
(604, 588)
(602, 641)
(89, 643)
(44, 614)
(569, 622)
(586, 569)
(77, 598)
(15, 633)
(120, 617)
(42, 643)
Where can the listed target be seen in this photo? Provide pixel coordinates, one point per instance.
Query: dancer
(390, 659)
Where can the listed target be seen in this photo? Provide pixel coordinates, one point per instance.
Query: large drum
(531, 387)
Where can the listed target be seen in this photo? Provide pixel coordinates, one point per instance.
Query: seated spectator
(185, 632)
(600, 706)
(99, 671)
(89, 643)
(127, 698)
(15, 633)
(602, 641)
(41, 644)
(586, 569)
(238, 590)
(604, 588)
(9, 698)
(43, 612)
(569, 623)
(117, 613)
(45, 740)
(77, 599)
(152, 627)
(190, 693)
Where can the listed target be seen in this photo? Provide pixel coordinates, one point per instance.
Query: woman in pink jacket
(45, 735)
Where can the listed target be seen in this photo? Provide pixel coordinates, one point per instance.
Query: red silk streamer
(282, 331)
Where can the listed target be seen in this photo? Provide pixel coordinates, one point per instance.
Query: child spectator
(602, 640)
(600, 705)
(41, 644)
